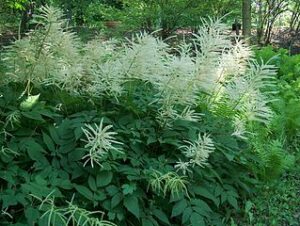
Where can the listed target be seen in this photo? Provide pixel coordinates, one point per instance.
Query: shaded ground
(284, 38)
(7, 37)
(276, 203)
(281, 38)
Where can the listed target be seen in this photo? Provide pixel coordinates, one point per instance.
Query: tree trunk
(246, 14)
(260, 23)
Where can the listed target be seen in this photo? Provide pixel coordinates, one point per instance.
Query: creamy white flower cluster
(99, 141)
(197, 152)
(210, 64)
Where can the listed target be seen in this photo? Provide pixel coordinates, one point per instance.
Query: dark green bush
(42, 151)
(288, 84)
(130, 132)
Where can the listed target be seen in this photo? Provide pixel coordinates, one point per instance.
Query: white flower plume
(197, 152)
(99, 142)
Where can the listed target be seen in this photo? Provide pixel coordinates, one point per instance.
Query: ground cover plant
(288, 82)
(276, 202)
(133, 132)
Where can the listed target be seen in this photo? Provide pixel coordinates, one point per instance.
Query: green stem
(28, 88)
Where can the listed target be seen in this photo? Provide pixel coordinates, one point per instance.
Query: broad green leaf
(40, 180)
(223, 197)
(39, 190)
(65, 184)
(33, 115)
(179, 207)
(99, 195)
(200, 203)
(48, 113)
(120, 216)
(161, 216)
(197, 220)
(186, 215)
(202, 191)
(54, 135)
(116, 199)
(92, 183)
(112, 190)
(8, 199)
(84, 191)
(132, 205)
(32, 215)
(78, 133)
(104, 178)
(232, 201)
(111, 216)
(76, 154)
(36, 151)
(67, 146)
(128, 188)
(146, 222)
(49, 143)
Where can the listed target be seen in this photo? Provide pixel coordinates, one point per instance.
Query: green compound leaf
(104, 178)
(197, 220)
(84, 191)
(132, 205)
(179, 207)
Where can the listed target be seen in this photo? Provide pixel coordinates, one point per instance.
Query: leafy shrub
(288, 102)
(288, 66)
(128, 129)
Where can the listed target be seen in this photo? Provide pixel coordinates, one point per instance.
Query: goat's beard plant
(210, 74)
(212, 70)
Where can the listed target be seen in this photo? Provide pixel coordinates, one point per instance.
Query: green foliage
(288, 101)
(136, 15)
(129, 129)
(277, 203)
(43, 159)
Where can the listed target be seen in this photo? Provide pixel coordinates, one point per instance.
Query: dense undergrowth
(277, 201)
(129, 133)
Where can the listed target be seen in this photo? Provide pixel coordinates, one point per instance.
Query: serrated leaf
(116, 199)
(111, 216)
(233, 202)
(33, 115)
(54, 135)
(78, 133)
(39, 190)
(132, 205)
(100, 195)
(48, 141)
(146, 222)
(65, 184)
(186, 215)
(92, 183)
(197, 220)
(179, 207)
(35, 151)
(200, 203)
(85, 192)
(104, 178)
(160, 215)
(128, 188)
(223, 197)
(32, 215)
(76, 154)
(112, 190)
(205, 193)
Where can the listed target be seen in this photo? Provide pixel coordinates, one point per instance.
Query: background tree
(295, 18)
(246, 15)
(267, 12)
